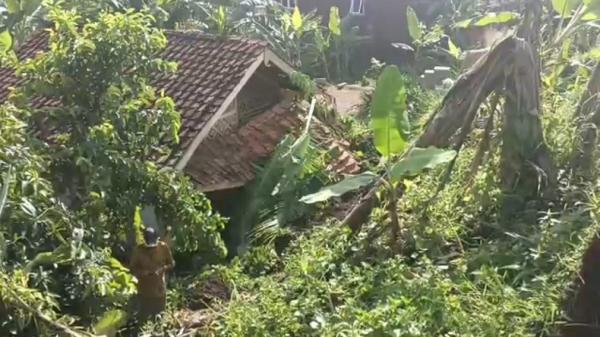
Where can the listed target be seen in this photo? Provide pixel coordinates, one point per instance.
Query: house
(233, 103)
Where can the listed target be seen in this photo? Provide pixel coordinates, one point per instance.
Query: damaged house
(234, 107)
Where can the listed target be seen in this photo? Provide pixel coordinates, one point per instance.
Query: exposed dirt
(210, 291)
(347, 99)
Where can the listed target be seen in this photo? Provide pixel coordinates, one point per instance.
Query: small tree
(391, 128)
(108, 125)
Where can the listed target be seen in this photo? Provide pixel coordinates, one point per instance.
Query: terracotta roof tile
(225, 161)
(200, 85)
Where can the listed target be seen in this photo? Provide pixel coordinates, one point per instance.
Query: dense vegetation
(482, 235)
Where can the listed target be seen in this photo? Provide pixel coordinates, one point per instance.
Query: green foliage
(320, 292)
(16, 301)
(103, 164)
(470, 275)
(6, 42)
(453, 49)
(414, 25)
(335, 23)
(71, 207)
(417, 160)
(389, 117)
(349, 184)
(565, 7)
(297, 167)
(297, 20)
(489, 19)
(305, 83)
(110, 323)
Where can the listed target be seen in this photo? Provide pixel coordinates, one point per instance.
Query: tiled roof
(209, 69)
(227, 161)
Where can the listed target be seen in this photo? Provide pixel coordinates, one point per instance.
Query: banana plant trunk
(509, 69)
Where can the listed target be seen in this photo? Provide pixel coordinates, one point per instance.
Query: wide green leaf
(463, 23)
(389, 117)
(418, 160)
(565, 8)
(492, 18)
(351, 183)
(335, 23)
(6, 42)
(414, 26)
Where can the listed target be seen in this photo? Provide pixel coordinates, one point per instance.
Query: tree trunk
(509, 68)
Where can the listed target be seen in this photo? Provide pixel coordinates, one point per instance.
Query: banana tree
(576, 13)
(399, 158)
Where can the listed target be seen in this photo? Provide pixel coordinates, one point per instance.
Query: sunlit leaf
(351, 183)
(414, 26)
(463, 24)
(593, 54)
(418, 160)
(335, 23)
(496, 19)
(6, 42)
(565, 8)
(137, 225)
(492, 18)
(297, 20)
(110, 323)
(453, 49)
(389, 116)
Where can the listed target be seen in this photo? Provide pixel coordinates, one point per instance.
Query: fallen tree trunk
(510, 68)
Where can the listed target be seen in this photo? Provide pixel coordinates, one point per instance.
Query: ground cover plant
(476, 213)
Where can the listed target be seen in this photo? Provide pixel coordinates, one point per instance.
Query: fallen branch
(45, 318)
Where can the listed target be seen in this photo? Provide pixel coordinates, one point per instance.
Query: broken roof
(224, 162)
(211, 72)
